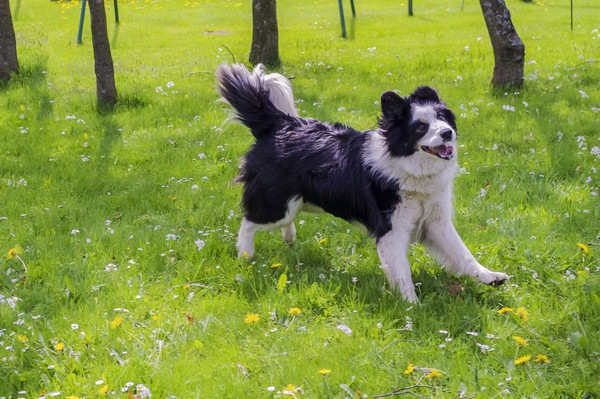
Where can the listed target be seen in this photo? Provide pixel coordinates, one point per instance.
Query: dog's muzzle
(441, 151)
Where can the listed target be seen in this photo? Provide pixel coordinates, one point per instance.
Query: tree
(8, 44)
(509, 50)
(106, 92)
(265, 34)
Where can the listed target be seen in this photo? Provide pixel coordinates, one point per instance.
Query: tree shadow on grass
(110, 134)
(33, 78)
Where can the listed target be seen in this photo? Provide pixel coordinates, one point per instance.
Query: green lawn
(120, 276)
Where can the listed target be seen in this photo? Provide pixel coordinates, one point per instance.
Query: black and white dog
(395, 180)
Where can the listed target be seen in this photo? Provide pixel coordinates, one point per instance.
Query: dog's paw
(289, 234)
(493, 279)
(408, 293)
(245, 254)
(499, 282)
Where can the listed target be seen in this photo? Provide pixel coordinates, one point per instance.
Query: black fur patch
(319, 162)
(322, 164)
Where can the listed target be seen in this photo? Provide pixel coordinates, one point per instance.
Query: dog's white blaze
(427, 114)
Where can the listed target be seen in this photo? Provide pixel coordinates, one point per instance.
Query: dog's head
(420, 124)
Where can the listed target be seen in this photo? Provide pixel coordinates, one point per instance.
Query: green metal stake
(571, 15)
(343, 22)
(81, 18)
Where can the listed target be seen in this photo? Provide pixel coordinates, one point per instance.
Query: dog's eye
(422, 127)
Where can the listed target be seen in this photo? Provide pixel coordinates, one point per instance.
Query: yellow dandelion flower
(245, 255)
(322, 241)
(520, 340)
(294, 311)
(116, 323)
(523, 314)
(324, 371)
(583, 247)
(59, 346)
(103, 390)
(22, 338)
(542, 359)
(186, 286)
(155, 317)
(434, 374)
(251, 318)
(276, 265)
(505, 310)
(522, 359)
(14, 252)
(289, 388)
(409, 369)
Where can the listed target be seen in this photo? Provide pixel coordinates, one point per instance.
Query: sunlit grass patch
(119, 275)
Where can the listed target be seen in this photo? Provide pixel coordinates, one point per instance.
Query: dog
(395, 180)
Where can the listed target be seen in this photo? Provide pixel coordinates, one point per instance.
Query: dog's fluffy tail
(262, 102)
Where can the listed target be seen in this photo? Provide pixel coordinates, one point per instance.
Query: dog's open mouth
(441, 151)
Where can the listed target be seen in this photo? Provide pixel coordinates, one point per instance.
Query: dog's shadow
(318, 283)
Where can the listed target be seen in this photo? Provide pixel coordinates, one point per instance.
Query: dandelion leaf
(281, 282)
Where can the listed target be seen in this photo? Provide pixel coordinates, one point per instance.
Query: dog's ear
(393, 107)
(425, 94)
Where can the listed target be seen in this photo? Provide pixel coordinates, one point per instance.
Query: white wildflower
(345, 329)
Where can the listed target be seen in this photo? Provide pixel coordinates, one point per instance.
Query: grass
(127, 282)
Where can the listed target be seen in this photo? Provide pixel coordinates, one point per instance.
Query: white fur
(248, 229)
(280, 90)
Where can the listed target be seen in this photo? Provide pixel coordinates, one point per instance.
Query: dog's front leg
(447, 246)
(392, 249)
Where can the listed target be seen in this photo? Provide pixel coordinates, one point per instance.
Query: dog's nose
(446, 134)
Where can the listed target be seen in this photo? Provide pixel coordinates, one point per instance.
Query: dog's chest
(417, 211)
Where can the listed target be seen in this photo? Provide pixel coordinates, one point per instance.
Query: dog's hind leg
(289, 233)
(245, 239)
(248, 229)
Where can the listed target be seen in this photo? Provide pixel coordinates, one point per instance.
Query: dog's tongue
(444, 151)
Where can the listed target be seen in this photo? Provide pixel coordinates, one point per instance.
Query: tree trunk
(509, 50)
(8, 44)
(106, 92)
(265, 35)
